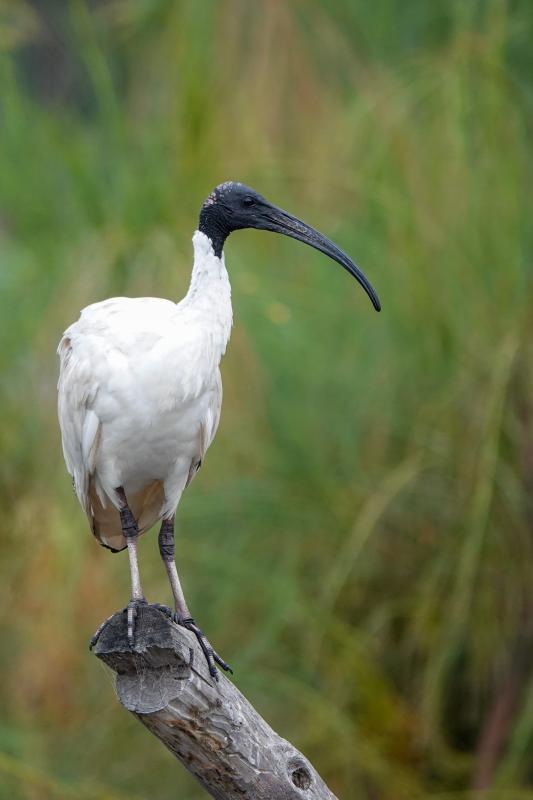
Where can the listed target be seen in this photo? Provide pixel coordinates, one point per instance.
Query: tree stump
(207, 724)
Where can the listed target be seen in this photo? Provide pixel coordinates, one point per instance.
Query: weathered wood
(209, 726)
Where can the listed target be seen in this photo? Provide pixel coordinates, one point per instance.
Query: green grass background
(359, 543)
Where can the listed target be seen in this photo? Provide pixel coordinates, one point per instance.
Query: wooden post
(208, 725)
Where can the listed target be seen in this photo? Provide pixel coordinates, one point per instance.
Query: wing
(80, 427)
(208, 426)
(212, 418)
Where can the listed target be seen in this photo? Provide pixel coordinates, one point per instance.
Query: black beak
(278, 221)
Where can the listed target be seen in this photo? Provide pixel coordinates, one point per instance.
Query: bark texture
(209, 726)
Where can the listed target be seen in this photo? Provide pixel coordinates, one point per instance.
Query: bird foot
(211, 656)
(131, 610)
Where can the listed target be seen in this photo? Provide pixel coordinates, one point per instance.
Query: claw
(211, 656)
(167, 611)
(132, 612)
(220, 661)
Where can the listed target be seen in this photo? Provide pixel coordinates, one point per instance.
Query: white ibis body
(140, 391)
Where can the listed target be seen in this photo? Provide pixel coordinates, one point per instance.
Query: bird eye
(248, 201)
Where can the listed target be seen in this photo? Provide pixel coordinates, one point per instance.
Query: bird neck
(210, 292)
(214, 225)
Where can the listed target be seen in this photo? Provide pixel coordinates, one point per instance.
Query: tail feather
(146, 506)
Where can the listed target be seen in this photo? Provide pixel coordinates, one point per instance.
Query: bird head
(233, 206)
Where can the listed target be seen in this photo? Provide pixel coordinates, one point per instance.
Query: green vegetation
(359, 543)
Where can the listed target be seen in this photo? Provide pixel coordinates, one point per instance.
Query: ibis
(140, 392)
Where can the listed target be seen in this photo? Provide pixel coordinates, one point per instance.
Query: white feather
(140, 395)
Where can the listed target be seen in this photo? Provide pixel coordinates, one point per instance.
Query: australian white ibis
(140, 391)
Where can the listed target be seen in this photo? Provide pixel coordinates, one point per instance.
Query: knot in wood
(300, 774)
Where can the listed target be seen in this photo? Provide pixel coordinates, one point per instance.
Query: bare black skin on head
(233, 206)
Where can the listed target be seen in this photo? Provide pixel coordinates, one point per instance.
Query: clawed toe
(211, 656)
(169, 612)
(132, 611)
(220, 661)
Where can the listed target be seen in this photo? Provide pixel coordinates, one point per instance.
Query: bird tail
(146, 506)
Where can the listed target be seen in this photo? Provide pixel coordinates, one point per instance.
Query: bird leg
(183, 615)
(130, 529)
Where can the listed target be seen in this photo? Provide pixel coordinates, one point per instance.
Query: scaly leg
(130, 529)
(183, 615)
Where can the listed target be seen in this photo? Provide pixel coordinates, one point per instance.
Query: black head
(230, 207)
(233, 206)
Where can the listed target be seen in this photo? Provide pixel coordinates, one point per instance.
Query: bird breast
(147, 369)
(146, 355)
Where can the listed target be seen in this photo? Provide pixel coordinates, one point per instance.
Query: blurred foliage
(359, 543)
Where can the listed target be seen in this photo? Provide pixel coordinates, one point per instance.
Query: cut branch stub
(209, 726)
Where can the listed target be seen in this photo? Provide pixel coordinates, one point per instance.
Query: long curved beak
(279, 221)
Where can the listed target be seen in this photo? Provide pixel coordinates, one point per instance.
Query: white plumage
(140, 391)
(140, 396)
